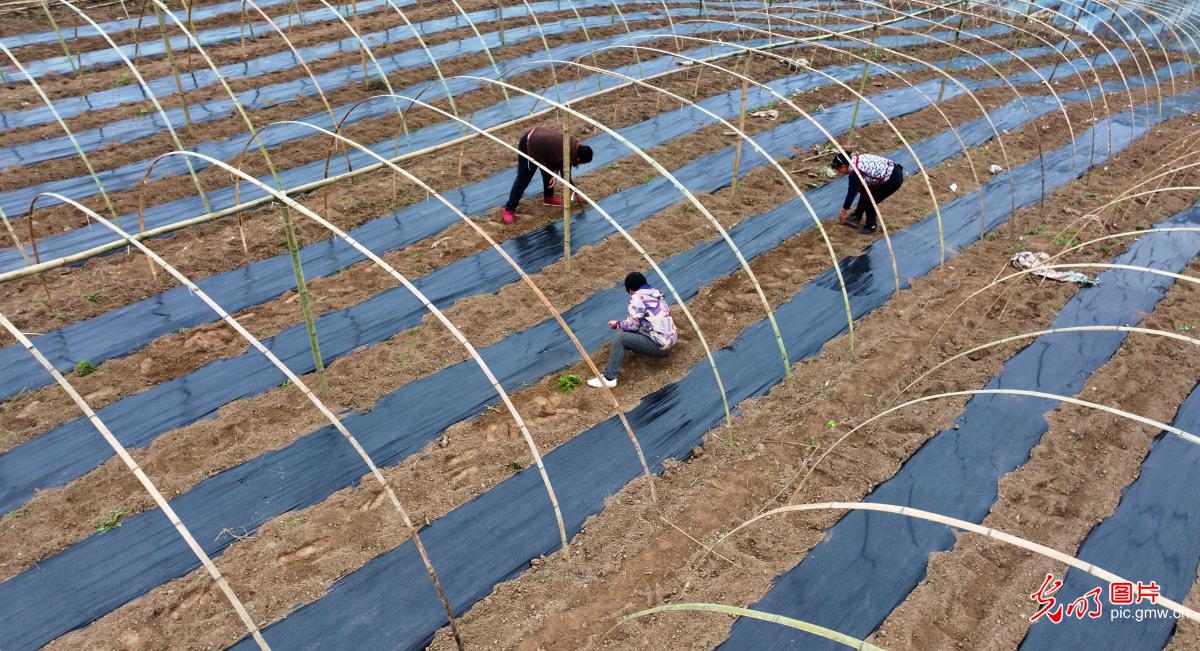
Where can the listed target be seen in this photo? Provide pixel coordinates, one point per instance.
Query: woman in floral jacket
(648, 330)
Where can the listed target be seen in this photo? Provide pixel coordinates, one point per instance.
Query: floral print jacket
(650, 315)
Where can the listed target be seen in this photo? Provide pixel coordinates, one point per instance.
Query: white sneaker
(601, 381)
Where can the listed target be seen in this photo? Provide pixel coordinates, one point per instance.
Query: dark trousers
(635, 341)
(880, 192)
(525, 170)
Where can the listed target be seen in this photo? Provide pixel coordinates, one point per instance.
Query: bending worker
(546, 147)
(647, 330)
(883, 177)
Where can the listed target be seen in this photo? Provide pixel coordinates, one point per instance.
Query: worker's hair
(839, 159)
(585, 154)
(634, 281)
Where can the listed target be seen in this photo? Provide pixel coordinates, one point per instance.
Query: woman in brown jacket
(544, 146)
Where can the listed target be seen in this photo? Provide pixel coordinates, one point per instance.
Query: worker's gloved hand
(576, 197)
(842, 215)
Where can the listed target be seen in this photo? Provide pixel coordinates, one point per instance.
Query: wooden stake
(737, 147)
(61, 41)
(566, 176)
(500, 19)
(950, 61)
(162, 30)
(191, 26)
(362, 52)
(289, 230)
(862, 87)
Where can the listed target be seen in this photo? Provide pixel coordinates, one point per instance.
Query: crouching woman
(647, 330)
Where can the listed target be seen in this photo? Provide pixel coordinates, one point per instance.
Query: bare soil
(632, 555)
(731, 301)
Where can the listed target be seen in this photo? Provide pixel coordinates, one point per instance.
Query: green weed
(84, 367)
(111, 520)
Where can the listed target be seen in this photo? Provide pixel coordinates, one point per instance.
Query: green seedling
(294, 522)
(111, 520)
(1185, 327)
(568, 382)
(123, 80)
(831, 424)
(19, 513)
(94, 299)
(84, 367)
(516, 464)
(543, 574)
(63, 315)
(398, 359)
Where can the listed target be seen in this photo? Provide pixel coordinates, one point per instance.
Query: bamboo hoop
(1190, 438)
(987, 532)
(1052, 331)
(308, 187)
(612, 221)
(790, 622)
(143, 479)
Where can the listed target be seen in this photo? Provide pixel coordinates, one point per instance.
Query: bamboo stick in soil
(737, 147)
(188, 4)
(566, 190)
(162, 30)
(950, 60)
(500, 20)
(289, 230)
(862, 87)
(362, 53)
(57, 32)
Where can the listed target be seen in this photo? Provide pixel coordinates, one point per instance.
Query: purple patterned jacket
(650, 315)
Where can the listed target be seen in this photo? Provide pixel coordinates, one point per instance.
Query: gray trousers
(635, 341)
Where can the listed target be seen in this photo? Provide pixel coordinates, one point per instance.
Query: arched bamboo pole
(570, 186)
(1049, 26)
(949, 77)
(746, 138)
(308, 187)
(1191, 438)
(790, 622)
(284, 211)
(50, 105)
(904, 141)
(295, 380)
(678, 185)
(487, 50)
(143, 479)
(1149, 60)
(1081, 265)
(1052, 331)
(987, 532)
(1132, 51)
(537, 293)
(953, 129)
(149, 93)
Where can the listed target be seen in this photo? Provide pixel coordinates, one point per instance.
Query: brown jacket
(545, 146)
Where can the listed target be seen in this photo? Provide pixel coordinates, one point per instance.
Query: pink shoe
(552, 201)
(508, 216)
